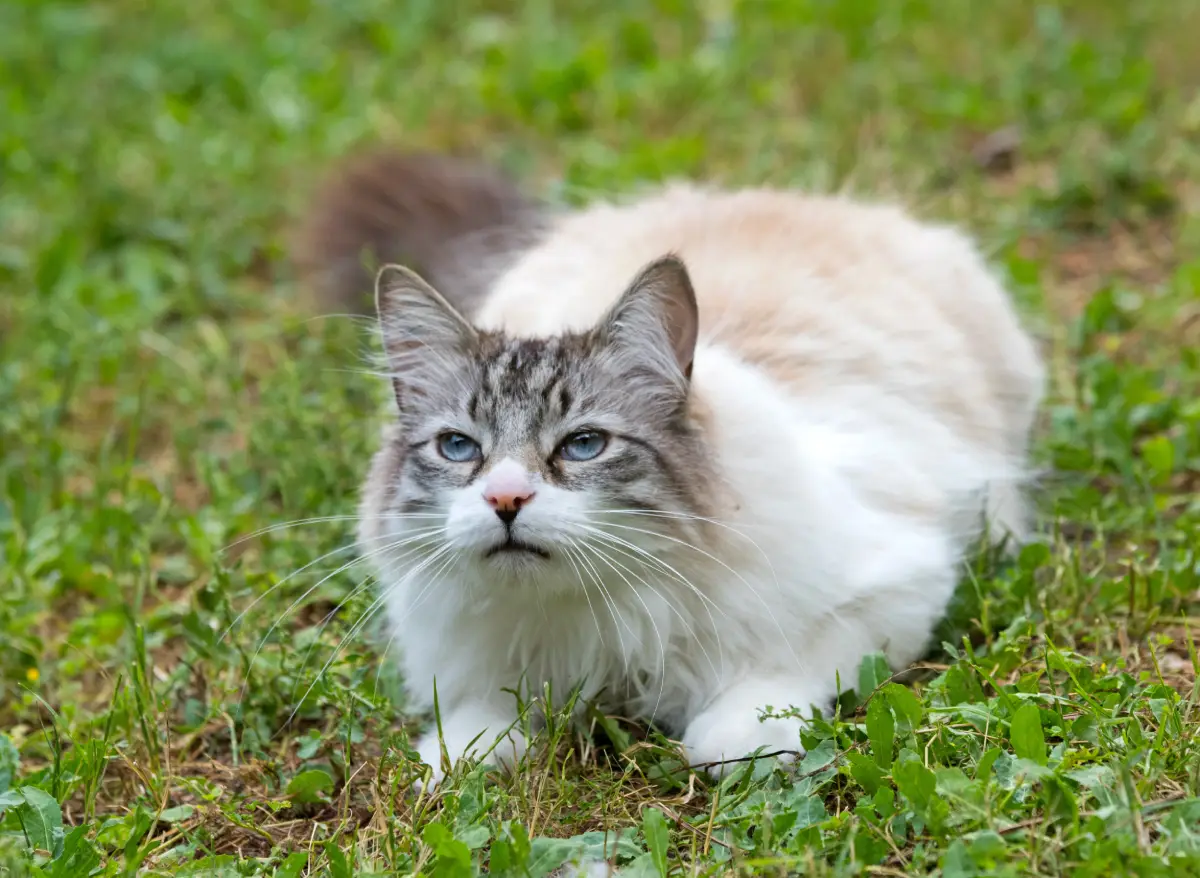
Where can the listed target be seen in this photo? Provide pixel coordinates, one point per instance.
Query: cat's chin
(514, 548)
(517, 557)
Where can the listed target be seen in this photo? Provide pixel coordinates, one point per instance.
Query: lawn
(191, 682)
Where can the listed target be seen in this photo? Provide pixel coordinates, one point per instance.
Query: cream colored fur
(866, 391)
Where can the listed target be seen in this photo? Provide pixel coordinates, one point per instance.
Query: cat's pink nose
(507, 505)
(507, 489)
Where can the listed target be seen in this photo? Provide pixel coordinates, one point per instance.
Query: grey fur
(458, 223)
(521, 397)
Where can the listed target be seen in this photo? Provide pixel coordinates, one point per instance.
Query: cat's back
(824, 294)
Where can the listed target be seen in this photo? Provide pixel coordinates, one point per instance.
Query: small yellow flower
(32, 675)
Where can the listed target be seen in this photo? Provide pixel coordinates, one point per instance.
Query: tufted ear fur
(424, 337)
(656, 320)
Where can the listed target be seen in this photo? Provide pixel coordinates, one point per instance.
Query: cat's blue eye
(585, 445)
(458, 448)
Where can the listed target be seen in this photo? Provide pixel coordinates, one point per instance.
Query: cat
(692, 454)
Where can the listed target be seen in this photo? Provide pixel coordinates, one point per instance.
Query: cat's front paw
(716, 737)
(470, 733)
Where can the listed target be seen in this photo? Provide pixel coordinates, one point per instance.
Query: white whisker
(586, 596)
(736, 575)
(238, 618)
(609, 602)
(687, 516)
(346, 548)
(688, 627)
(326, 519)
(291, 608)
(361, 623)
(636, 553)
(361, 587)
(411, 537)
(662, 650)
(429, 585)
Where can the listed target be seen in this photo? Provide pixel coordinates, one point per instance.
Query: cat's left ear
(657, 317)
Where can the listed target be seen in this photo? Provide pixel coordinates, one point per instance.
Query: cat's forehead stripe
(534, 375)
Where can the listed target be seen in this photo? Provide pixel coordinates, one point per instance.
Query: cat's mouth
(513, 546)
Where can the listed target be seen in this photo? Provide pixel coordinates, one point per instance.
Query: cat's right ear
(423, 334)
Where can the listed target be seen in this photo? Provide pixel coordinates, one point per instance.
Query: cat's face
(530, 456)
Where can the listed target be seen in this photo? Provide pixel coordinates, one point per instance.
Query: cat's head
(526, 456)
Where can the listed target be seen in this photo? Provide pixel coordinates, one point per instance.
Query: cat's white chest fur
(862, 393)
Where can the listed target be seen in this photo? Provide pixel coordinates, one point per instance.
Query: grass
(182, 693)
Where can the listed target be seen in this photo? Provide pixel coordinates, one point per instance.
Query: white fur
(853, 469)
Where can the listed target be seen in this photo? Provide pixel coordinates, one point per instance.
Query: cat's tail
(457, 223)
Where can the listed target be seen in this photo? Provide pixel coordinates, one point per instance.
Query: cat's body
(784, 487)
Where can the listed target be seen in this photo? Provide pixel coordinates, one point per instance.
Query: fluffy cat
(697, 453)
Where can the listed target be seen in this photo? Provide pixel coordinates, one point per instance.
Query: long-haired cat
(697, 452)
